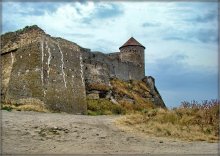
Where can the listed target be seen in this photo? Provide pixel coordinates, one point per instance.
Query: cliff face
(61, 74)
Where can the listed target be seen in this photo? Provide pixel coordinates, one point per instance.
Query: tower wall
(134, 55)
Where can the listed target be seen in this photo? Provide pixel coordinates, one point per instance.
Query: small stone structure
(58, 72)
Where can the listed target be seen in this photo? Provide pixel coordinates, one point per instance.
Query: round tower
(133, 53)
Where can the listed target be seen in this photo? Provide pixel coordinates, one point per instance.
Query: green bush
(8, 108)
(103, 107)
(92, 113)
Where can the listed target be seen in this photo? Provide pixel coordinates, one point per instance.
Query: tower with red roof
(132, 51)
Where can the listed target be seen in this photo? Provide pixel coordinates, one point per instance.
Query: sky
(181, 38)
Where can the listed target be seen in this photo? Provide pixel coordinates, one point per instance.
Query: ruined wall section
(124, 70)
(100, 67)
(96, 68)
(25, 79)
(47, 69)
(11, 41)
(11, 44)
(63, 76)
(7, 62)
(97, 73)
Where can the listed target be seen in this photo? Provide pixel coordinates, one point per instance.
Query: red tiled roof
(131, 42)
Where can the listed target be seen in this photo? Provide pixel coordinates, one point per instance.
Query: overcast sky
(181, 38)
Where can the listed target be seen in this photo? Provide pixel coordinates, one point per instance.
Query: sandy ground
(53, 133)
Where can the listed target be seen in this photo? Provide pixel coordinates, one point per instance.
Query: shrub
(102, 87)
(103, 107)
(28, 104)
(135, 90)
(8, 108)
(191, 121)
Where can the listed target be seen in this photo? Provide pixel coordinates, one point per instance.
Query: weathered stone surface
(156, 98)
(45, 68)
(93, 96)
(60, 73)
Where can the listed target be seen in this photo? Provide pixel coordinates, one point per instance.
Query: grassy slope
(188, 122)
(134, 90)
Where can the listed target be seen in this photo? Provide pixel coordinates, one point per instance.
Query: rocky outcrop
(61, 74)
(136, 93)
(155, 95)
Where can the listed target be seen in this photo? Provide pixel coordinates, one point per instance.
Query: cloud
(207, 17)
(80, 35)
(191, 22)
(90, 11)
(148, 24)
(108, 11)
(176, 38)
(37, 9)
(204, 35)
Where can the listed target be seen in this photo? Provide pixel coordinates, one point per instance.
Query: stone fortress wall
(128, 64)
(38, 68)
(57, 72)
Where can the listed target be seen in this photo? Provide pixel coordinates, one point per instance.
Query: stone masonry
(57, 72)
(38, 66)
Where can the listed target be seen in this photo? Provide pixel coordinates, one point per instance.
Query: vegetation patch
(191, 121)
(29, 104)
(103, 107)
(132, 96)
(100, 87)
(133, 89)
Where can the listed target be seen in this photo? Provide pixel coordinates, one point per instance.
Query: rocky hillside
(125, 96)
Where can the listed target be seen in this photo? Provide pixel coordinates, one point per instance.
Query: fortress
(61, 75)
(128, 64)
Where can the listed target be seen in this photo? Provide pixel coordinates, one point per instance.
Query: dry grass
(103, 107)
(29, 104)
(193, 122)
(25, 107)
(136, 90)
(95, 86)
(121, 87)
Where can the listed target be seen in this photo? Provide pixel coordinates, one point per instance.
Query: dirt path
(50, 133)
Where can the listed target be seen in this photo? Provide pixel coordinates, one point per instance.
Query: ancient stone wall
(7, 61)
(46, 69)
(110, 65)
(96, 68)
(60, 74)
